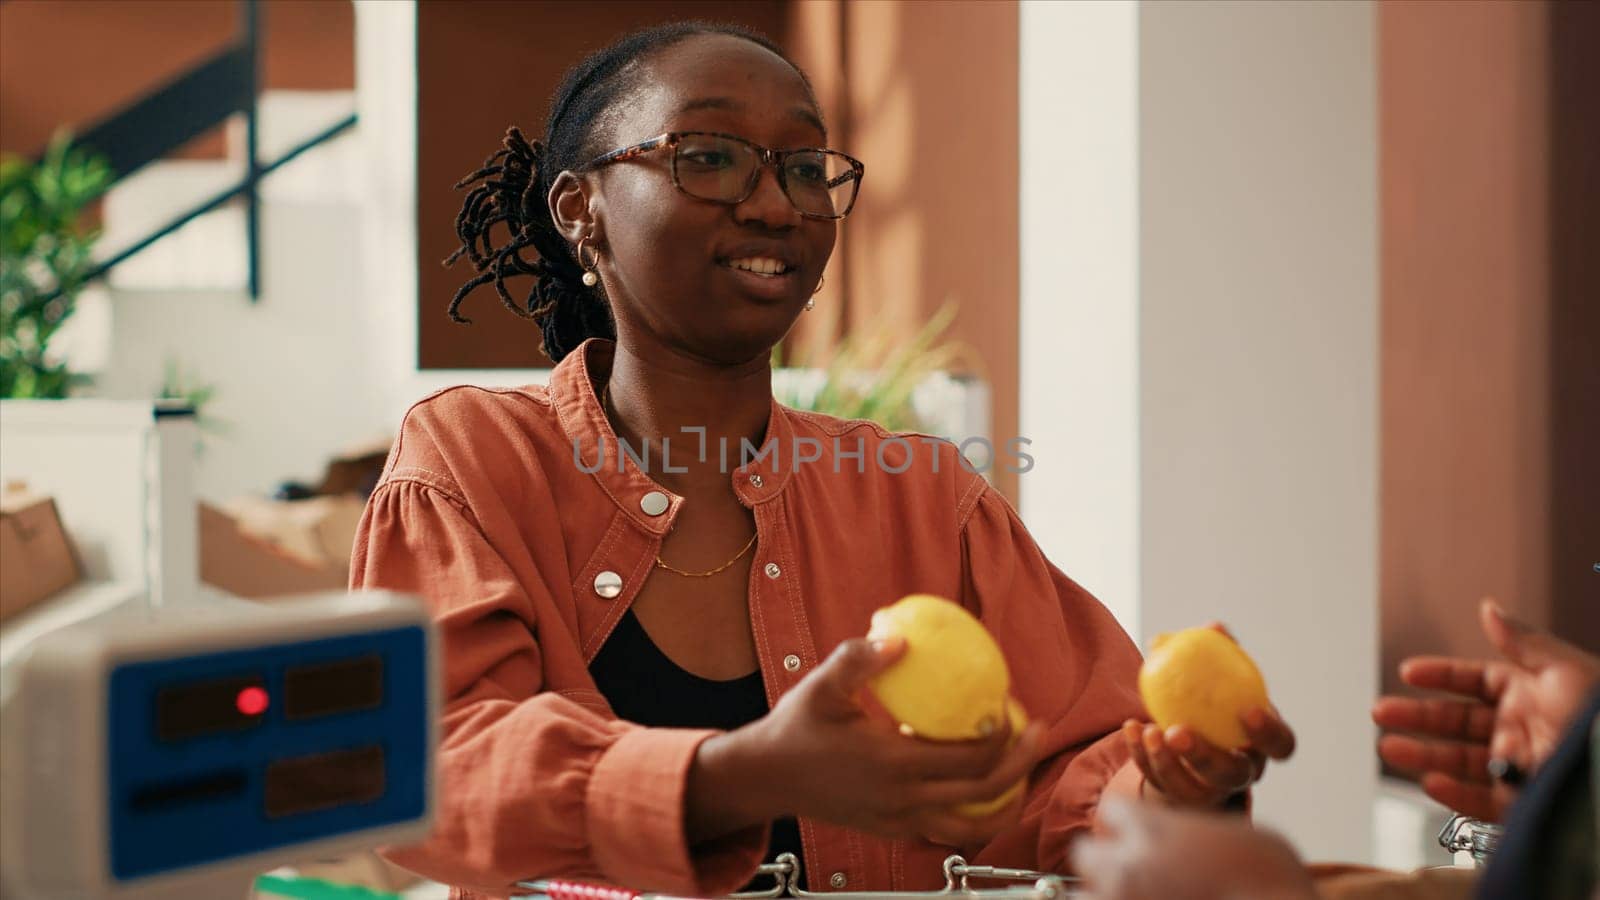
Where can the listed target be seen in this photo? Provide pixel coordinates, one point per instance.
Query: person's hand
(1148, 853)
(1184, 769)
(1513, 709)
(836, 762)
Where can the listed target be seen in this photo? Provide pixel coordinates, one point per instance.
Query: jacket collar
(576, 400)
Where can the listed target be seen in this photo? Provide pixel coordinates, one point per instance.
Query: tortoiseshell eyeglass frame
(766, 157)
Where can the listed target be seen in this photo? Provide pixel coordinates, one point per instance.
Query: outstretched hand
(1513, 709)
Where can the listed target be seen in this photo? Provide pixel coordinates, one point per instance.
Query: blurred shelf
(81, 602)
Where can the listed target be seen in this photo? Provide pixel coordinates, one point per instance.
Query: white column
(1199, 349)
(1258, 371)
(1080, 294)
(386, 100)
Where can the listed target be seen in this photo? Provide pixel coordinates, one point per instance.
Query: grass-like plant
(873, 372)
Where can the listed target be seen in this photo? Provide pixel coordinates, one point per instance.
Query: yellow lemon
(952, 683)
(1202, 679)
(981, 808)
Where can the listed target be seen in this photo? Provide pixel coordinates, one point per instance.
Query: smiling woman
(534, 189)
(652, 668)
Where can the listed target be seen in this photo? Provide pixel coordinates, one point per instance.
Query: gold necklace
(662, 564)
(605, 399)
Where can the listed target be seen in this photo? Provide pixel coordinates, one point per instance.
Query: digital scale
(180, 752)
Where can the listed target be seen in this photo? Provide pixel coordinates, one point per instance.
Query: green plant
(44, 256)
(872, 374)
(176, 384)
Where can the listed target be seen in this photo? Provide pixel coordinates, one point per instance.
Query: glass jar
(1475, 836)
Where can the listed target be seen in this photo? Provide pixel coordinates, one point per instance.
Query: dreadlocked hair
(512, 187)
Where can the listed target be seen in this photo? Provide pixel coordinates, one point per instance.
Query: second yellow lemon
(1202, 679)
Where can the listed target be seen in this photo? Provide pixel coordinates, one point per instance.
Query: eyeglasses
(822, 184)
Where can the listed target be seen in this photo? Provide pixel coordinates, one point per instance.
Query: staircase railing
(187, 106)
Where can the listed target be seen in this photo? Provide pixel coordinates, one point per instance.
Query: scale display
(226, 754)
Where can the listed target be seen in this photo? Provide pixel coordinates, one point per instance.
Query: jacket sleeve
(532, 783)
(1072, 667)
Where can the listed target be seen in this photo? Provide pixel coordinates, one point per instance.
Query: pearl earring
(591, 275)
(810, 304)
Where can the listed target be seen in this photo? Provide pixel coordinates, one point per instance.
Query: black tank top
(645, 686)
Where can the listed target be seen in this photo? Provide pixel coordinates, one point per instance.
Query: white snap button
(608, 584)
(755, 481)
(653, 503)
(837, 881)
(773, 571)
(791, 662)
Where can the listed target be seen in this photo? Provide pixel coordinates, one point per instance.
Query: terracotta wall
(1488, 326)
(932, 103)
(70, 62)
(925, 93)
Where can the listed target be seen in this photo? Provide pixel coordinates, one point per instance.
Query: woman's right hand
(824, 756)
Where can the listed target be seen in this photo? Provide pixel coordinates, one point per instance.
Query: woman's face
(669, 258)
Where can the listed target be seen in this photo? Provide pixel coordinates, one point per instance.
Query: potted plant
(873, 375)
(45, 252)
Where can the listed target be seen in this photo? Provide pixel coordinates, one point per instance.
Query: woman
(651, 661)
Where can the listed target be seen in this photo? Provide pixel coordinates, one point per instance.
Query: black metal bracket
(245, 187)
(250, 25)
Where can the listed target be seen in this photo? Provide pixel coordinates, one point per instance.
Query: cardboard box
(36, 559)
(246, 565)
(356, 469)
(319, 531)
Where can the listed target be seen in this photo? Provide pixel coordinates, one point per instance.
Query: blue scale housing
(229, 754)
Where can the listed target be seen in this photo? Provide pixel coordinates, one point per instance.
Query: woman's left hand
(1188, 770)
(1185, 769)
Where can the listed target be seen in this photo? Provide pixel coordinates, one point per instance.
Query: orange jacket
(484, 510)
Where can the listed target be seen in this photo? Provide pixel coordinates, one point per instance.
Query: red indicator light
(252, 701)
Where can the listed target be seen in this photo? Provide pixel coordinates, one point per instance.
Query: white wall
(1079, 361)
(1251, 372)
(291, 372)
(326, 358)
